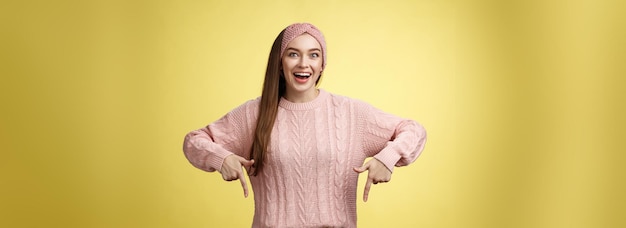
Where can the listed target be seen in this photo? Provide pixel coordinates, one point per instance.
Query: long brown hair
(273, 90)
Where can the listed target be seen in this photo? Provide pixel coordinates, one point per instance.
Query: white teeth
(302, 74)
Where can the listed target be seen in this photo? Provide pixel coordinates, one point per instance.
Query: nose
(303, 62)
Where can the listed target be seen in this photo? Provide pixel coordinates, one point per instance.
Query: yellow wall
(523, 101)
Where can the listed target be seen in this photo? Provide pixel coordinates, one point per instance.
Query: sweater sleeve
(390, 139)
(207, 147)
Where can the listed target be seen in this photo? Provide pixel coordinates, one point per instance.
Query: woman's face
(302, 66)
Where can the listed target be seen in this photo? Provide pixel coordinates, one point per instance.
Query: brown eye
(315, 55)
(292, 54)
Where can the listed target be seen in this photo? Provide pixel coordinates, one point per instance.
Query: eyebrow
(310, 50)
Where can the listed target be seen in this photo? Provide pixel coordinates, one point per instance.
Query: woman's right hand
(232, 170)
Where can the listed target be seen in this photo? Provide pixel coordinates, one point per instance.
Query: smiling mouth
(302, 75)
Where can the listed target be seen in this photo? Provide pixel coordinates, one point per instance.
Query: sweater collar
(284, 103)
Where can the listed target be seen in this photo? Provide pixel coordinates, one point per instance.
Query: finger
(244, 162)
(229, 176)
(361, 169)
(247, 163)
(378, 181)
(244, 185)
(367, 189)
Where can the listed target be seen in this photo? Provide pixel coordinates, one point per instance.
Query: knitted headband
(297, 29)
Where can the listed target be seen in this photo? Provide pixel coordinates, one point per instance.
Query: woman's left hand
(378, 173)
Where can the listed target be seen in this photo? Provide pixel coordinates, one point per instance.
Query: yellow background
(523, 101)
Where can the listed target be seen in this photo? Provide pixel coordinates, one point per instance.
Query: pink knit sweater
(308, 179)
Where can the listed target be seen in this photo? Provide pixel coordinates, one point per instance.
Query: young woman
(303, 146)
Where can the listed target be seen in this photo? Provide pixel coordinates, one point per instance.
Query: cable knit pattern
(308, 179)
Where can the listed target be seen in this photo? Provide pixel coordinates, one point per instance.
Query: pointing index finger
(367, 189)
(244, 185)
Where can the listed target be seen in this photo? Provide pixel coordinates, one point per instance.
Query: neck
(301, 97)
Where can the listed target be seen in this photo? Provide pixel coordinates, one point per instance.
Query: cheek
(318, 66)
(288, 64)
(316, 63)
